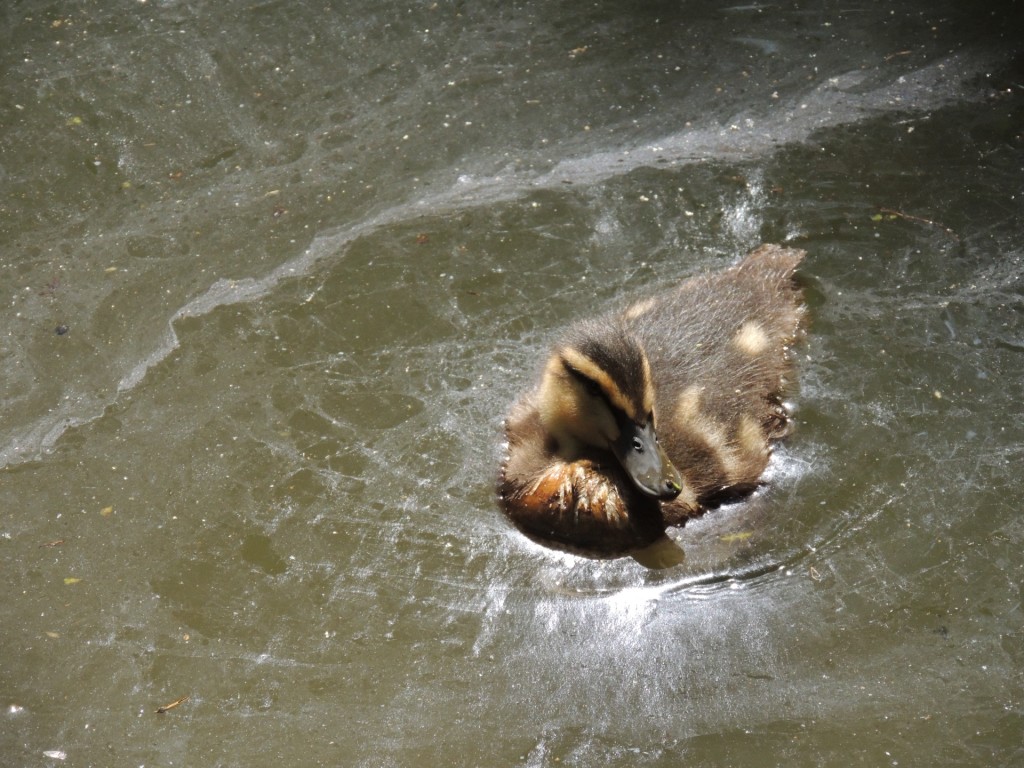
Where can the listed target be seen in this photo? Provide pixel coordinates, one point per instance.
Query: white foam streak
(743, 138)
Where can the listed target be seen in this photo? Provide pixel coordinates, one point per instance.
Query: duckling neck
(573, 428)
(563, 434)
(565, 445)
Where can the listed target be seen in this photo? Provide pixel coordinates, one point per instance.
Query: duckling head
(596, 395)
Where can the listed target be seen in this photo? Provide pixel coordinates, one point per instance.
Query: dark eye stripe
(592, 386)
(589, 372)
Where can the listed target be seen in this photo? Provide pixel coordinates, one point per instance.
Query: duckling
(647, 417)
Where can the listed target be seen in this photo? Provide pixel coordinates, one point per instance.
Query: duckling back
(718, 347)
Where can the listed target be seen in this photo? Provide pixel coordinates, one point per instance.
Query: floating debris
(894, 214)
(729, 538)
(173, 704)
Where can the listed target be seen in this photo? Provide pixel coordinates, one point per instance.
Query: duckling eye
(592, 388)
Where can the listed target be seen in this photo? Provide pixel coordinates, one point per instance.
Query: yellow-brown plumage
(646, 417)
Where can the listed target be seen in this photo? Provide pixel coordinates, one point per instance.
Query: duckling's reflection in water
(645, 418)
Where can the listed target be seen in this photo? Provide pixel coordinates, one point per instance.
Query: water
(302, 256)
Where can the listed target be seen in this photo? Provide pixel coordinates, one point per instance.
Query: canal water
(272, 272)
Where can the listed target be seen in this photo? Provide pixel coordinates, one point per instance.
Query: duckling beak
(644, 460)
